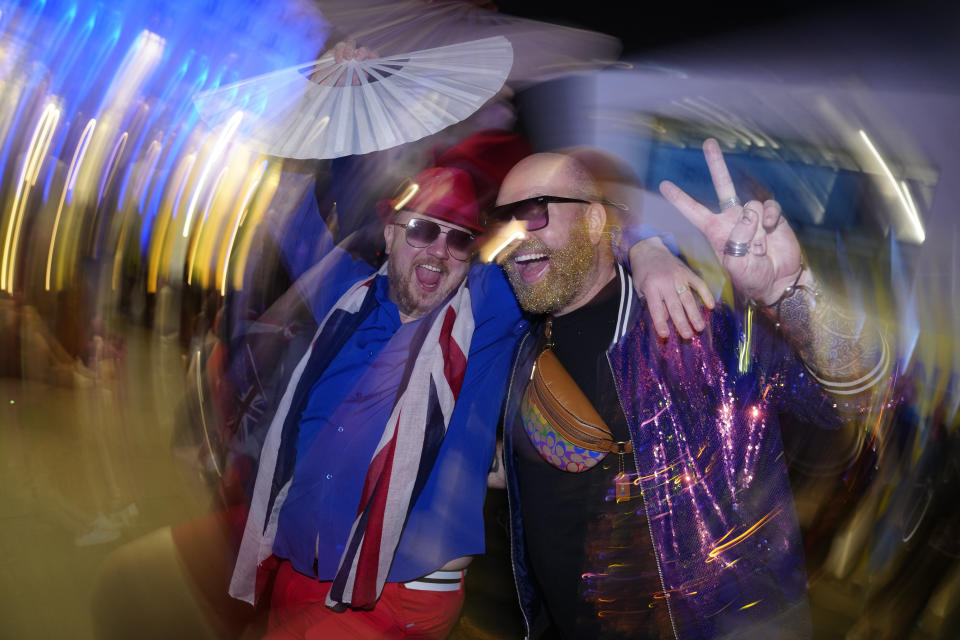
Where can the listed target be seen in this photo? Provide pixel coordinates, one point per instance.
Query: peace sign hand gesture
(753, 242)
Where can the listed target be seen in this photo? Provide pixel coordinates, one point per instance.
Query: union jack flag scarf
(400, 464)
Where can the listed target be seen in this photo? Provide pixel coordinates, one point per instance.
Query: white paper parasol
(355, 107)
(540, 49)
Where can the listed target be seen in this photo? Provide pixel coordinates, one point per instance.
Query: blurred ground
(70, 453)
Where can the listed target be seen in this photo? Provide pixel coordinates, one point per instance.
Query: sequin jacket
(710, 463)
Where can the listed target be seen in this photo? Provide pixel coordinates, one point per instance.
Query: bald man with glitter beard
(678, 520)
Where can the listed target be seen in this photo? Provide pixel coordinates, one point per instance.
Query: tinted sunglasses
(421, 233)
(534, 211)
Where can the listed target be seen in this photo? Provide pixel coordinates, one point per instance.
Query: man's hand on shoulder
(668, 285)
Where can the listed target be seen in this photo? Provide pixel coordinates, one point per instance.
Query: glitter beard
(569, 267)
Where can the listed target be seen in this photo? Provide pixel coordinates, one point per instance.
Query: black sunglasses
(534, 211)
(421, 233)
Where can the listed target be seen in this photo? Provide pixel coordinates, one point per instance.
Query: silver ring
(730, 202)
(682, 290)
(736, 249)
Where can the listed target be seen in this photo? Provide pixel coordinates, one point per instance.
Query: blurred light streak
(501, 239)
(905, 302)
(251, 220)
(952, 399)
(105, 32)
(137, 65)
(219, 147)
(724, 536)
(912, 217)
(138, 135)
(118, 255)
(720, 548)
(71, 51)
(111, 166)
(720, 610)
(132, 65)
(746, 344)
(164, 216)
(182, 183)
(147, 166)
(410, 191)
(71, 178)
(905, 189)
(516, 235)
(153, 156)
(725, 120)
(198, 235)
(101, 219)
(198, 368)
(36, 151)
(239, 217)
(62, 29)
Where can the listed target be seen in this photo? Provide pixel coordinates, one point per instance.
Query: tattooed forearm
(844, 350)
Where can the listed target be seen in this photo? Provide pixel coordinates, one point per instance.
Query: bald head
(547, 174)
(561, 266)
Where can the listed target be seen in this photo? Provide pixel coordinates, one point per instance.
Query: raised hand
(348, 50)
(343, 51)
(753, 242)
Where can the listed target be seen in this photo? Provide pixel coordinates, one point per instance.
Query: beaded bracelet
(789, 291)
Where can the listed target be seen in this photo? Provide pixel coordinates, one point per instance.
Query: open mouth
(428, 276)
(531, 265)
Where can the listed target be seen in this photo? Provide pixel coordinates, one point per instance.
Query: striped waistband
(438, 581)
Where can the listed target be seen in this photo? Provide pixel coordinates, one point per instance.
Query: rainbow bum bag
(560, 421)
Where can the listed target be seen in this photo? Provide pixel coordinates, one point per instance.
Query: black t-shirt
(591, 555)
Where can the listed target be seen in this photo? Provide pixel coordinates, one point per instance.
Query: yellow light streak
(407, 196)
(166, 213)
(746, 345)
(252, 218)
(238, 220)
(203, 220)
(502, 238)
(716, 551)
(72, 172)
(49, 118)
(37, 149)
(732, 529)
(218, 148)
(718, 611)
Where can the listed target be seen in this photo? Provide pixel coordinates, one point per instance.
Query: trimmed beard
(402, 286)
(565, 279)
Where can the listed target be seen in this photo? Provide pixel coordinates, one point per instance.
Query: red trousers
(297, 610)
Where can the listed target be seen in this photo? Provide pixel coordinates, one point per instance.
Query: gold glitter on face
(566, 276)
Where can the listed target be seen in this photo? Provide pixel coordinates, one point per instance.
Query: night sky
(645, 26)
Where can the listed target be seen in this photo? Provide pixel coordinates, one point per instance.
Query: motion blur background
(128, 225)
